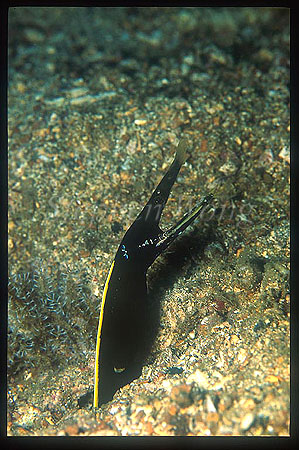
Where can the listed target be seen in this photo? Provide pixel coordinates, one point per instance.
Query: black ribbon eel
(124, 314)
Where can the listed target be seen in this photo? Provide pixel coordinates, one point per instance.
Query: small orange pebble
(173, 410)
(249, 404)
(21, 87)
(212, 417)
(11, 225)
(98, 417)
(216, 121)
(42, 132)
(130, 111)
(239, 251)
(124, 176)
(148, 428)
(272, 379)
(81, 165)
(204, 145)
(180, 394)
(234, 339)
(10, 243)
(72, 430)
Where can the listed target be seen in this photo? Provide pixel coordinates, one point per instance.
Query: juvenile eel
(124, 311)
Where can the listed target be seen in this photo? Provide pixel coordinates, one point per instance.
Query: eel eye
(116, 370)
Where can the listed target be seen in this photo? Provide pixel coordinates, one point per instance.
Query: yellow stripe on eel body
(97, 361)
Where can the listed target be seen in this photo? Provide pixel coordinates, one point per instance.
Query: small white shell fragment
(210, 405)
(228, 168)
(140, 122)
(247, 421)
(242, 355)
(285, 154)
(199, 378)
(77, 92)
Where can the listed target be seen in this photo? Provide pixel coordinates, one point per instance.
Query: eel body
(124, 314)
